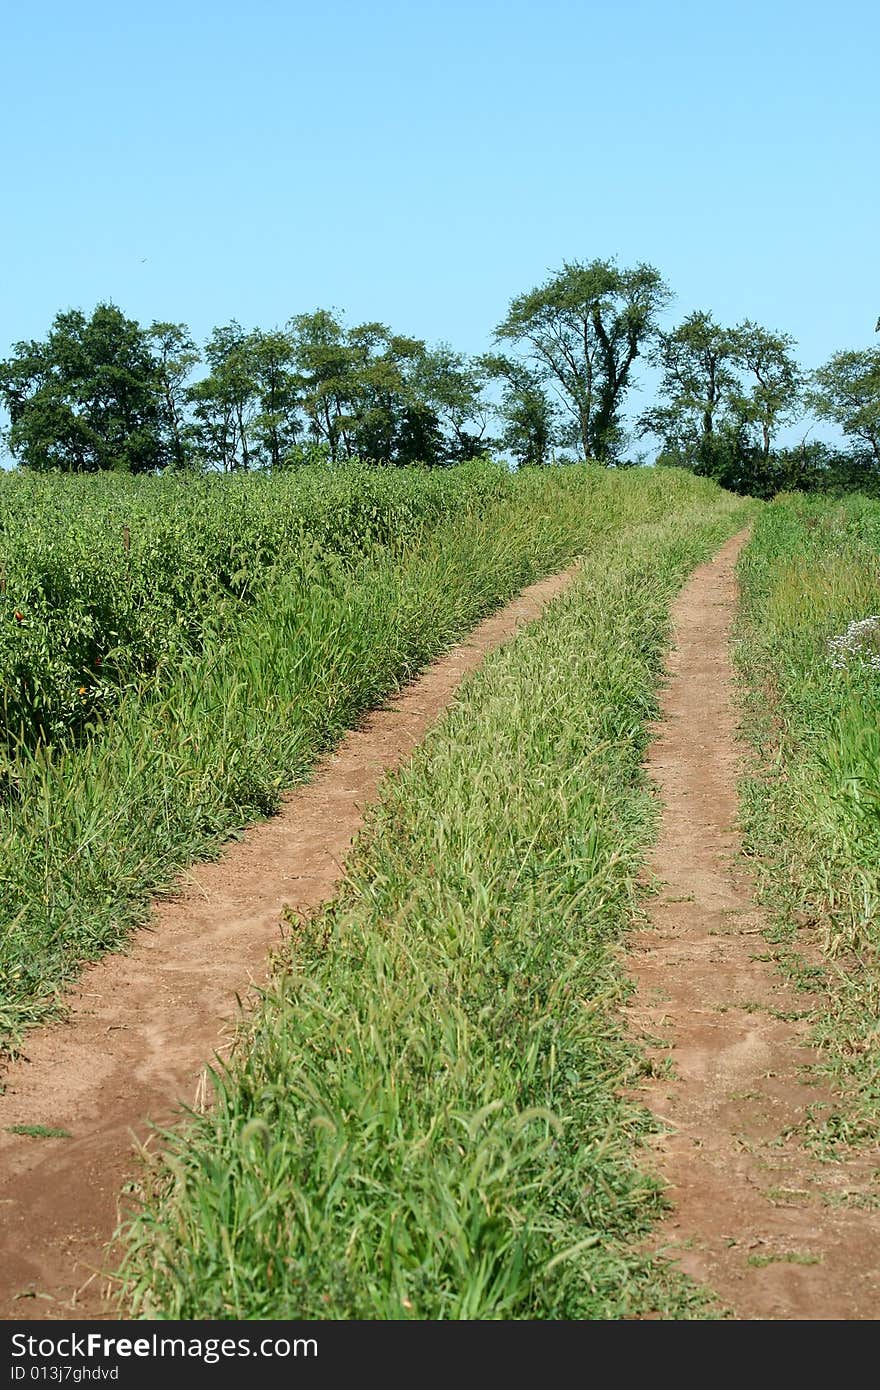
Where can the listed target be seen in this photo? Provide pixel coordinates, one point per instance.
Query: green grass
(785, 1257)
(425, 1117)
(811, 808)
(39, 1131)
(88, 832)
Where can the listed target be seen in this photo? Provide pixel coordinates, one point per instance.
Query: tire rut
(772, 1230)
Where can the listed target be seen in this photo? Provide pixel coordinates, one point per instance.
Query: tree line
(103, 392)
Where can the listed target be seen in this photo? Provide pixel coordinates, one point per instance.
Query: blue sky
(422, 163)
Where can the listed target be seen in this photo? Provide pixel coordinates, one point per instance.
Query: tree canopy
(723, 394)
(582, 331)
(87, 398)
(103, 392)
(847, 392)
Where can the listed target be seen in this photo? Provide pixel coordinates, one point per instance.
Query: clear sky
(421, 163)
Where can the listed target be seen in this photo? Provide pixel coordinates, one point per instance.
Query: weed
(785, 1257)
(39, 1131)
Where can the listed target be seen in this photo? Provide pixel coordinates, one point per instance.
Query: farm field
(441, 1104)
(111, 582)
(262, 617)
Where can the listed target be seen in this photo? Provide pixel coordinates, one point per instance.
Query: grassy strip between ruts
(811, 807)
(92, 831)
(424, 1117)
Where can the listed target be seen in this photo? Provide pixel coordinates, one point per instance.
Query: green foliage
(723, 394)
(335, 595)
(86, 399)
(108, 582)
(582, 331)
(175, 356)
(531, 420)
(371, 393)
(847, 392)
(811, 667)
(774, 382)
(697, 364)
(813, 466)
(425, 1119)
(104, 393)
(451, 386)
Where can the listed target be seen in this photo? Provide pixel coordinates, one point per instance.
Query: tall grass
(109, 579)
(812, 808)
(424, 1117)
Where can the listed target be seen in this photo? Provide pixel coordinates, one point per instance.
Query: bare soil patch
(141, 1026)
(775, 1232)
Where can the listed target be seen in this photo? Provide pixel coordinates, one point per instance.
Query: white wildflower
(859, 645)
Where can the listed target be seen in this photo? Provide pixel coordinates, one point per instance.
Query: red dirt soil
(755, 1217)
(141, 1026)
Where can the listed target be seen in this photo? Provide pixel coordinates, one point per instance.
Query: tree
(582, 330)
(777, 380)
(381, 406)
(175, 356)
(530, 419)
(324, 363)
(723, 394)
(450, 386)
(86, 399)
(369, 392)
(276, 384)
(698, 362)
(846, 391)
(225, 401)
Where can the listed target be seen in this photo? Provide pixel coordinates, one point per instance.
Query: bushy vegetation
(809, 651)
(114, 580)
(424, 1119)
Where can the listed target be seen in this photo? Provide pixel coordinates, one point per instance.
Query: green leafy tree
(529, 418)
(846, 391)
(723, 394)
(698, 364)
(380, 399)
(451, 387)
(175, 354)
(775, 381)
(582, 331)
(87, 398)
(369, 392)
(225, 402)
(325, 366)
(277, 424)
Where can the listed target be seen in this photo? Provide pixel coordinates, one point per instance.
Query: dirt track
(142, 1025)
(752, 1217)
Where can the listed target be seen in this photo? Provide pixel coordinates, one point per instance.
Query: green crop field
(111, 581)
